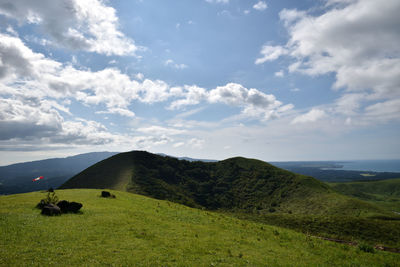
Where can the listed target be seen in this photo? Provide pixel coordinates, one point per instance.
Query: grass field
(385, 193)
(134, 230)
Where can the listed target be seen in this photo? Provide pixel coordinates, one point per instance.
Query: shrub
(366, 248)
(271, 209)
(50, 199)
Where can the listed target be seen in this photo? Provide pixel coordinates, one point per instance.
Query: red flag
(38, 178)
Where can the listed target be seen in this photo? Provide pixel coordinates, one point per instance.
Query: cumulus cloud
(311, 116)
(76, 24)
(253, 102)
(27, 72)
(362, 53)
(36, 123)
(18, 119)
(260, 5)
(192, 95)
(35, 92)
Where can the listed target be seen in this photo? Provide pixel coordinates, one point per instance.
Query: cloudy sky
(273, 80)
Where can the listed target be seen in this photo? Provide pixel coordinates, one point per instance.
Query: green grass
(236, 184)
(385, 193)
(372, 231)
(134, 230)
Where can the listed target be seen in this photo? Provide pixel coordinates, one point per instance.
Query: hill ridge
(232, 184)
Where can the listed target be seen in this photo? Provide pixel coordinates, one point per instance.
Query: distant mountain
(17, 178)
(232, 184)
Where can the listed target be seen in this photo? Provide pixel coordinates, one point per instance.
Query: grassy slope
(246, 187)
(114, 172)
(384, 193)
(136, 230)
(232, 184)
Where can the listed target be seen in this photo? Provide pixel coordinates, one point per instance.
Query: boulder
(63, 205)
(75, 207)
(41, 204)
(50, 210)
(66, 206)
(105, 194)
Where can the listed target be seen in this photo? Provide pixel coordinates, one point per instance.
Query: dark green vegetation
(247, 188)
(133, 230)
(17, 178)
(384, 193)
(233, 184)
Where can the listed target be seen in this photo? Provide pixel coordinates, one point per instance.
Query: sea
(370, 165)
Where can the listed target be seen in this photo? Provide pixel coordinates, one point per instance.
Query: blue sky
(273, 80)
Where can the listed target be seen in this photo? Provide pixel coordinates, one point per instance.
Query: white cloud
(139, 76)
(18, 119)
(271, 53)
(362, 53)
(120, 111)
(196, 143)
(179, 144)
(218, 1)
(350, 104)
(171, 63)
(254, 102)
(32, 88)
(311, 116)
(147, 142)
(159, 130)
(384, 111)
(192, 95)
(280, 73)
(76, 24)
(25, 72)
(260, 5)
(31, 124)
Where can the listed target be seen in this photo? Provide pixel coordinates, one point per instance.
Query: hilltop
(232, 184)
(133, 230)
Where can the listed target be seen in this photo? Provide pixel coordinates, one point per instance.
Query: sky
(274, 80)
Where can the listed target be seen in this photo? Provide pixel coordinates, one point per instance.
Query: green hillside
(237, 184)
(385, 193)
(133, 230)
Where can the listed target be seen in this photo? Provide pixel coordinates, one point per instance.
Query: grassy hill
(246, 188)
(133, 230)
(384, 193)
(232, 184)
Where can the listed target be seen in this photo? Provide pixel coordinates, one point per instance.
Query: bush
(366, 248)
(50, 199)
(272, 209)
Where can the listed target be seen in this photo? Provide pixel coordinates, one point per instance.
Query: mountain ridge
(17, 178)
(233, 184)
